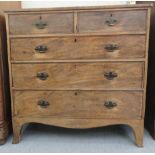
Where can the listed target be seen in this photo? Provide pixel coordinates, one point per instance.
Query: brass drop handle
(111, 47)
(43, 103)
(110, 75)
(41, 49)
(111, 21)
(40, 24)
(42, 75)
(110, 104)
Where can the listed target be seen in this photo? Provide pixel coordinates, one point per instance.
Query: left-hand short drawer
(41, 23)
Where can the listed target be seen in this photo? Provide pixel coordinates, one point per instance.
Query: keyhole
(75, 66)
(24, 52)
(40, 18)
(75, 93)
(75, 40)
(111, 15)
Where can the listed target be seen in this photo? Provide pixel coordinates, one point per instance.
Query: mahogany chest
(80, 67)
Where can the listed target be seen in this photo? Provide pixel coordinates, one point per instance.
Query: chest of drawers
(79, 67)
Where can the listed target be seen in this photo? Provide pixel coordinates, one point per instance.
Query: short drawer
(112, 22)
(78, 104)
(41, 23)
(78, 75)
(128, 46)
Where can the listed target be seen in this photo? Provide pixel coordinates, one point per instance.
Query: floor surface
(42, 138)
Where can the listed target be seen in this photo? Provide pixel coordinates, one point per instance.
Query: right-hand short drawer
(61, 48)
(112, 21)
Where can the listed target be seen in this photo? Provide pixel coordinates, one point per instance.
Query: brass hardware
(111, 47)
(42, 75)
(110, 104)
(40, 24)
(110, 75)
(111, 21)
(43, 103)
(41, 49)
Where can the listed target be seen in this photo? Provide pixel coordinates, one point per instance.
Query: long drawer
(41, 23)
(78, 75)
(60, 48)
(78, 104)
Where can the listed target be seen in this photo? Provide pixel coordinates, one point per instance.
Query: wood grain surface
(78, 104)
(126, 21)
(55, 23)
(63, 48)
(78, 75)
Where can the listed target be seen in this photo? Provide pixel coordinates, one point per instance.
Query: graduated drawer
(41, 23)
(78, 75)
(128, 46)
(112, 21)
(78, 104)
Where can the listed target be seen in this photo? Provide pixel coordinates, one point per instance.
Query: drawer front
(78, 48)
(78, 75)
(112, 22)
(41, 23)
(78, 104)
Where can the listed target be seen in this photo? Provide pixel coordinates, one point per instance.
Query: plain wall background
(65, 3)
